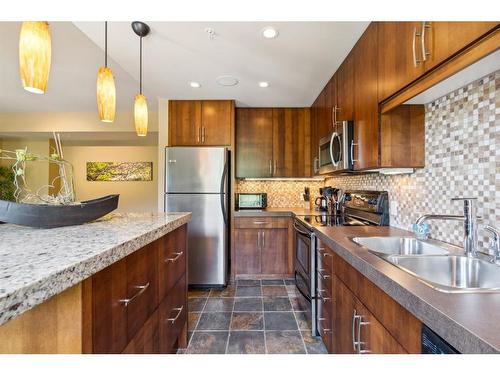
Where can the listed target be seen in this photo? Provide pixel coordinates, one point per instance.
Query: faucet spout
(424, 218)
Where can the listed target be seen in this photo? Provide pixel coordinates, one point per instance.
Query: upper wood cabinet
(254, 142)
(345, 90)
(200, 122)
(273, 142)
(366, 128)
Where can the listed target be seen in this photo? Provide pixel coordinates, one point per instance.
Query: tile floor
(250, 317)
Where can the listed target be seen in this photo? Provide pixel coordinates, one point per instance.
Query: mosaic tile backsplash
(462, 141)
(280, 193)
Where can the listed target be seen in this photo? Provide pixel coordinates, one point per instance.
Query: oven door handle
(301, 231)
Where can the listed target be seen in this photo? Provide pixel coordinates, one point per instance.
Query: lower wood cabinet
(263, 246)
(357, 317)
(139, 304)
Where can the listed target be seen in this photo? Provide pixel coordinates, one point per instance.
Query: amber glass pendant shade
(34, 56)
(106, 94)
(141, 115)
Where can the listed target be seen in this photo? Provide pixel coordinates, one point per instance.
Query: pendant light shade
(34, 56)
(141, 115)
(106, 91)
(140, 103)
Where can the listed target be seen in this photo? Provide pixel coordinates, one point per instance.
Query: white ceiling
(73, 74)
(297, 64)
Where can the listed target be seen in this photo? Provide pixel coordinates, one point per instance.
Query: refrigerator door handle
(222, 193)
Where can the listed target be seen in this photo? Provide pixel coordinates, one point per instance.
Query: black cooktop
(328, 220)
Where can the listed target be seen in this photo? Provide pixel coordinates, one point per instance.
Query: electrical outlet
(393, 208)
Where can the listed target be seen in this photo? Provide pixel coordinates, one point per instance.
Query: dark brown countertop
(469, 321)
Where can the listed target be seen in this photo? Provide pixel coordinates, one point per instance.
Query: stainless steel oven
(335, 151)
(305, 266)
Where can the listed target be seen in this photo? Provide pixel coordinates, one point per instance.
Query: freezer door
(207, 236)
(194, 169)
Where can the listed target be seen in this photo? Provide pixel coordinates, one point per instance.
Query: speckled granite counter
(469, 322)
(281, 211)
(36, 264)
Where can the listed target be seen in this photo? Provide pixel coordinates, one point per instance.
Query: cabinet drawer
(141, 299)
(146, 341)
(325, 258)
(171, 260)
(325, 324)
(324, 279)
(262, 222)
(173, 316)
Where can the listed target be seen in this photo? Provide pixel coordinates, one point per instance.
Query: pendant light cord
(106, 44)
(140, 65)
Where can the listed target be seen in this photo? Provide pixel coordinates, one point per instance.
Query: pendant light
(106, 92)
(34, 56)
(140, 103)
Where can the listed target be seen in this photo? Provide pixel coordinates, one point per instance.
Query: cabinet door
(172, 257)
(331, 103)
(325, 310)
(366, 129)
(216, 120)
(345, 90)
(443, 39)
(344, 327)
(142, 292)
(314, 137)
(184, 122)
(173, 317)
(254, 142)
(291, 142)
(274, 251)
(146, 341)
(109, 316)
(371, 335)
(399, 57)
(247, 251)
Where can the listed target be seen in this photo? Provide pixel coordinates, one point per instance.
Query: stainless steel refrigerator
(196, 180)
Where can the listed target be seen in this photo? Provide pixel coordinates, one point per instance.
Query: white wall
(135, 196)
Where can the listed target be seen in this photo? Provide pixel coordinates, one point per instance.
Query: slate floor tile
(279, 321)
(303, 320)
(288, 342)
(219, 304)
(208, 343)
(248, 304)
(229, 291)
(244, 321)
(314, 345)
(196, 304)
(193, 320)
(274, 291)
(299, 303)
(273, 282)
(200, 293)
(289, 281)
(244, 282)
(248, 291)
(217, 321)
(277, 304)
(246, 342)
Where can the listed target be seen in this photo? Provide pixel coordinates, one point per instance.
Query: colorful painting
(119, 171)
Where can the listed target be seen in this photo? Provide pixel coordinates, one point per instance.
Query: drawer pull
(325, 277)
(260, 222)
(325, 254)
(326, 330)
(325, 299)
(177, 256)
(179, 311)
(142, 289)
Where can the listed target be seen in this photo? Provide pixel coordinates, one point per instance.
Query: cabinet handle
(275, 166)
(355, 318)
(258, 239)
(260, 222)
(325, 254)
(202, 134)
(199, 135)
(179, 312)
(425, 25)
(360, 324)
(352, 151)
(325, 277)
(316, 165)
(270, 167)
(414, 47)
(263, 239)
(177, 256)
(142, 289)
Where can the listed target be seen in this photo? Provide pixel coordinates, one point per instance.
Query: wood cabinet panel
(146, 341)
(216, 120)
(366, 128)
(261, 222)
(402, 137)
(142, 286)
(345, 306)
(345, 90)
(254, 142)
(172, 260)
(247, 251)
(184, 122)
(173, 317)
(291, 142)
(109, 315)
(331, 103)
(274, 251)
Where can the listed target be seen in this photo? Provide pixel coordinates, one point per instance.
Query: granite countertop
(468, 321)
(281, 211)
(36, 264)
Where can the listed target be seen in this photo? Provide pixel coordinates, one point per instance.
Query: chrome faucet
(470, 220)
(495, 243)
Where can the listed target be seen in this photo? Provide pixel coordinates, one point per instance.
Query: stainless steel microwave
(251, 200)
(336, 150)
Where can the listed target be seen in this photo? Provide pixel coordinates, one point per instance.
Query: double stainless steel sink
(436, 264)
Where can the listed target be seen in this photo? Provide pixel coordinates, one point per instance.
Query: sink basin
(451, 273)
(400, 246)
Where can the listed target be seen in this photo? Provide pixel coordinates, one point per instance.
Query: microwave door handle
(334, 162)
(222, 193)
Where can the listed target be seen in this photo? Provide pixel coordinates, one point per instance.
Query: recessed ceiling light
(263, 84)
(269, 32)
(227, 81)
(195, 85)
